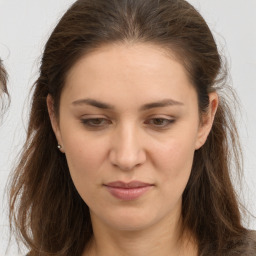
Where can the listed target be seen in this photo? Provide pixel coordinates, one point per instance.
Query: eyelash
(89, 122)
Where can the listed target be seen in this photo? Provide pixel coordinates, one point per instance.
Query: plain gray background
(25, 26)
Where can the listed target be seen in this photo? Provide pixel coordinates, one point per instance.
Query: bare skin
(130, 113)
(168, 242)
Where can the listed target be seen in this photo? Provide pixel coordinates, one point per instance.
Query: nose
(127, 151)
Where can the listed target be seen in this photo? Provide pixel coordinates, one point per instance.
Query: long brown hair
(47, 211)
(3, 89)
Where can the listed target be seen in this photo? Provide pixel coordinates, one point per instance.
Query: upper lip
(132, 184)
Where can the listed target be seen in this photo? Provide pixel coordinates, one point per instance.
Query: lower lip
(128, 193)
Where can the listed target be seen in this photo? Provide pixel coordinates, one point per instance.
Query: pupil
(97, 121)
(158, 121)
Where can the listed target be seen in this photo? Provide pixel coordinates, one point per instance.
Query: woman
(130, 141)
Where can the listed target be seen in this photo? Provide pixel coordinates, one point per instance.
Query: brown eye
(95, 122)
(160, 122)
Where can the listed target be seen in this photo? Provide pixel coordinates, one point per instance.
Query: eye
(102, 122)
(160, 122)
(95, 122)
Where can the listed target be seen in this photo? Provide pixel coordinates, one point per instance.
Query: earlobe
(207, 120)
(54, 122)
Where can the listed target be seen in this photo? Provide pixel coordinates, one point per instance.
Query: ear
(207, 120)
(54, 121)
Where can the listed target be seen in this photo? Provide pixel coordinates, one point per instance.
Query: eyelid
(88, 122)
(168, 121)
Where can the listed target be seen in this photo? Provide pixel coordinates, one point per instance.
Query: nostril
(127, 162)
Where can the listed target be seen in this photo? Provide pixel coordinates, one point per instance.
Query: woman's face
(129, 126)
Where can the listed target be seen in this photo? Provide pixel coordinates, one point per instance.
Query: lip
(128, 191)
(132, 184)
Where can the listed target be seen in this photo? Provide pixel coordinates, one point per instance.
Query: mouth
(128, 191)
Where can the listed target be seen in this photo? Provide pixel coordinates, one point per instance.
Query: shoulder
(251, 239)
(247, 247)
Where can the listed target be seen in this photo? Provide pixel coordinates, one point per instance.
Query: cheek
(84, 160)
(174, 160)
(84, 156)
(176, 152)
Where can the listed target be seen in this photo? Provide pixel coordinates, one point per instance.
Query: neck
(160, 239)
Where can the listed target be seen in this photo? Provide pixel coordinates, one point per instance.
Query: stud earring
(59, 146)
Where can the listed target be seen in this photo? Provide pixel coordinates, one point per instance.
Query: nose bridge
(127, 149)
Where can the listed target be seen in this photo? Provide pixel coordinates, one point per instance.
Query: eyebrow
(102, 105)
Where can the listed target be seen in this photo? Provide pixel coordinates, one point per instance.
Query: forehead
(125, 57)
(142, 71)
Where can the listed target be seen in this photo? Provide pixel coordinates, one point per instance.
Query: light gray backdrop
(24, 28)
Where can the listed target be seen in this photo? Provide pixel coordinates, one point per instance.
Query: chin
(131, 221)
